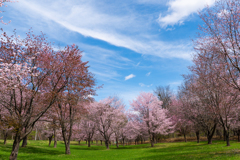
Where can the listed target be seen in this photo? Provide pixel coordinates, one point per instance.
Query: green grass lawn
(39, 150)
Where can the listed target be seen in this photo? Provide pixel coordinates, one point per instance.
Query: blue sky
(131, 46)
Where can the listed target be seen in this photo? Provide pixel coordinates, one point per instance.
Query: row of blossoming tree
(209, 96)
(49, 90)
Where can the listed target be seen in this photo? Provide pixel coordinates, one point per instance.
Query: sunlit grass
(39, 150)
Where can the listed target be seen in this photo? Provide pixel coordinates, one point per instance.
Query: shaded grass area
(39, 150)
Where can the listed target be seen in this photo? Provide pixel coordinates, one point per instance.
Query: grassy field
(39, 150)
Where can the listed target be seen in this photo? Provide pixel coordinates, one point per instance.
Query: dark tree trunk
(15, 147)
(197, 134)
(5, 138)
(67, 149)
(66, 138)
(238, 133)
(227, 137)
(50, 140)
(152, 143)
(117, 142)
(89, 142)
(66, 142)
(123, 142)
(101, 142)
(79, 142)
(211, 133)
(54, 133)
(152, 140)
(107, 144)
(185, 138)
(24, 143)
(55, 141)
(92, 141)
(209, 139)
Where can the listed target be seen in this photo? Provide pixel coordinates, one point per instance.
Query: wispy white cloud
(152, 1)
(179, 10)
(101, 21)
(148, 74)
(129, 77)
(176, 83)
(143, 85)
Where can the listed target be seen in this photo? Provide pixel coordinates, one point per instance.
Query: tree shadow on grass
(192, 151)
(84, 147)
(29, 149)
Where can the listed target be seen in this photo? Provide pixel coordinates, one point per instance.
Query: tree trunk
(238, 133)
(50, 140)
(36, 134)
(185, 138)
(211, 133)
(15, 147)
(92, 141)
(101, 142)
(67, 143)
(152, 140)
(55, 141)
(54, 133)
(152, 143)
(123, 142)
(79, 142)
(5, 138)
(117, 142)
(107, 144)
(227, 138)
(89, 142)
(67, 148)
(197, 134)
(24, 143)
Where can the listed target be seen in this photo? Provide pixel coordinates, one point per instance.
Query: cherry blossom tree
(78, 135)
(219, 35)
(153, 119)
(32, 75)
(197, 107)
(118, 128)
(222, 99)
(182, 123)
(88, 128)
(107, 114)
(70, 107)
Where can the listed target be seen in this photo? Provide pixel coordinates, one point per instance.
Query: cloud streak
(129, 77)
(179, 10)
(129, 30)
(148, 74)
(143, 85)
